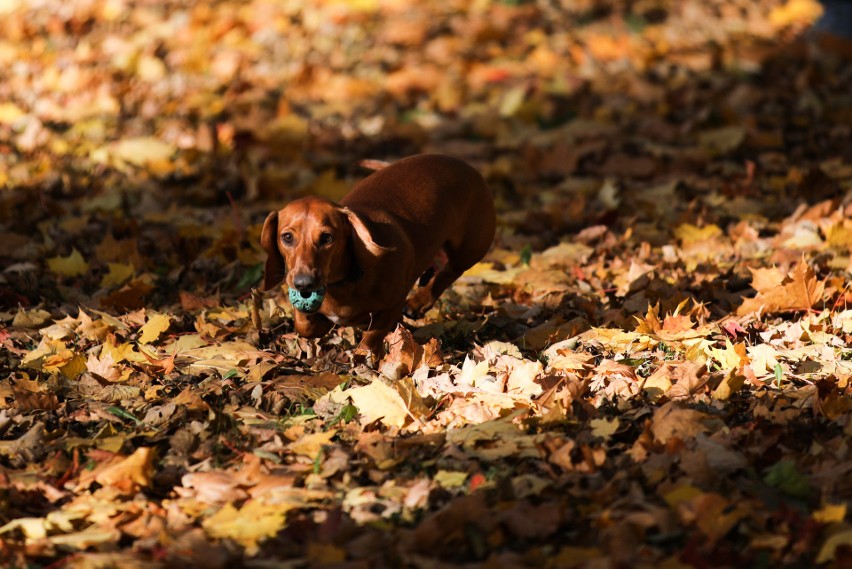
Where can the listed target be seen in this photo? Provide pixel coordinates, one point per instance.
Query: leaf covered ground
(649, 369)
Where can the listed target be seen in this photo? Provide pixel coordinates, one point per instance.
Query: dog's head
(314, 242)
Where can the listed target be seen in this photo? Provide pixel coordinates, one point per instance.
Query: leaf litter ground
(650, 368)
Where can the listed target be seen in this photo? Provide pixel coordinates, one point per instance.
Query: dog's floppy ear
(275, 270)
(366, 248)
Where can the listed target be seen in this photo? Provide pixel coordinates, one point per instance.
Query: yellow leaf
(84, 539)
(121, 352)
(141, 151)
(328, 186)
(522, 376)
(30, 318)
(619, 340)
(829, 547)
(731, 356)
(801, 12)
(485, 272)
(763, 358)
(689, 233)
(358, 5)
(378, 401)
(150, 68)
(512, 100)
(731, 384)
(603, 428)
(473, 373)
(156, 325)
(656, 386)
(681, 494)
(187, 342)
(73, 367)
(234, 352)
(71, 266)
(310, 445)
(136, 468)
(249, 525)
(47, 347)
(450, 478)
(32, 528)
(840, 235)
(697, 350)
(561, 356)
(10, 113)
(117, 275)
(54, 357)
(830, 513)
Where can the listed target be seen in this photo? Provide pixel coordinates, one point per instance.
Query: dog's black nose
(304, 282)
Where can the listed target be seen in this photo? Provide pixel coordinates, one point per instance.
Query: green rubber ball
(306, 301)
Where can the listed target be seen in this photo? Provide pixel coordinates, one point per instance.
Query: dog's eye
(287, 238)
(326, 238)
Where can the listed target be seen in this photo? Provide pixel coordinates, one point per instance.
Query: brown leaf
(674, 421)
(129, 473)
(798, 290)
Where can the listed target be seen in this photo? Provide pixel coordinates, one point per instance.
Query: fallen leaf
(842, 537)
(141, 151)
(799, 290)
(604, 428)
(312, 444)
(249, 525)
(378, 401)
(154, 327)
(71, 266)
(672, 420)
(130, 472)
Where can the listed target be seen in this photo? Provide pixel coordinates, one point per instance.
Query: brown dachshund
(355, 263)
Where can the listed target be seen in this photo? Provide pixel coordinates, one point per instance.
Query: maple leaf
(31, 319)
(131, 295)
(213, 487)
(71, 266)
(671, 420)
(799, 290)
(248, 525)
(130, 472)
(311, 445)
(378, 401)
(118, 274)
(141, 151)
(104, 366)
(155, 325)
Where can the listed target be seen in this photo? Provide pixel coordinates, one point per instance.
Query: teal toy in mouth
(306, 301)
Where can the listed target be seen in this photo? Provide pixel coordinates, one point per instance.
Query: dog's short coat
(370, 250)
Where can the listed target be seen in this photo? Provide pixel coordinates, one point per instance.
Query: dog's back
(438, 200)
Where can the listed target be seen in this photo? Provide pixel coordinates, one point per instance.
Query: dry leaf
(154, 327)
(71, 266)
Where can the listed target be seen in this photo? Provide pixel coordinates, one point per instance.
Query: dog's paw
(418, 303)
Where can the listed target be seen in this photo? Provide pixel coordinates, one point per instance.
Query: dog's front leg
(311, 325)
(372, 345)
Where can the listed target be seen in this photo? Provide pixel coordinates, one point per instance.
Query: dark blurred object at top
(833, 31)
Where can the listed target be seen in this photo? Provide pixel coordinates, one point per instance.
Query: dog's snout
(304, 282)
